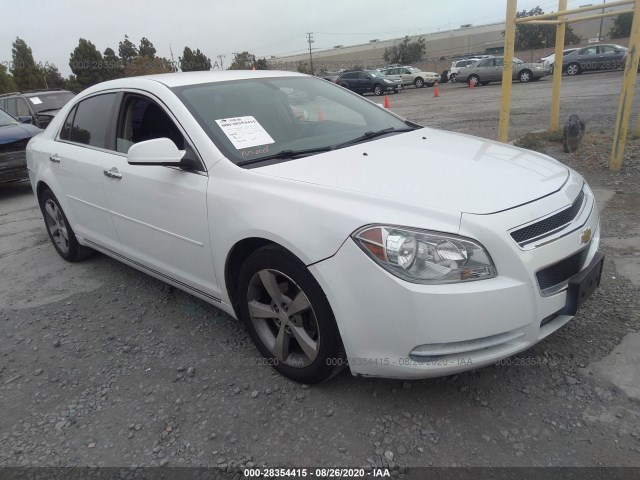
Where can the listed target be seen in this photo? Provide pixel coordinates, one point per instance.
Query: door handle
(54, 158)
(113, 173)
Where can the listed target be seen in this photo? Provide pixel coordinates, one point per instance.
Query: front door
(160, 213)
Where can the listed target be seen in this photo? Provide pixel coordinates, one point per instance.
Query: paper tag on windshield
(35, 100)
(244, 132)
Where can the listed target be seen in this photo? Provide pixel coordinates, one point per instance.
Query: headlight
(421, 256)
(388, 81)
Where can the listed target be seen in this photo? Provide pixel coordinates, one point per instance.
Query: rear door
(160, 213)
(78, 157)
(609, 57)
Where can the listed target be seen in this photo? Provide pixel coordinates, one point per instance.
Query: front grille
(558, 274)
(549, 224)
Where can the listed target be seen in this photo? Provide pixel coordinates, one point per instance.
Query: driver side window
(142, 119)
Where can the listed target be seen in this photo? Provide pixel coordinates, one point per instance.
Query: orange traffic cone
(320, 116)
(472, 84)
(436, 91)
(386, 101)
(253, 68)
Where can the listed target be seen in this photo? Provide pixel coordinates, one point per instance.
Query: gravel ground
(102, 365)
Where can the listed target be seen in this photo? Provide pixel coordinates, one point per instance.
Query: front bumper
(395, 329)
(13, 166)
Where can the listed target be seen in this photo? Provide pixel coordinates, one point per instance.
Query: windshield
(258, 118)
(50, 101)
(375, 73)
(6, 119)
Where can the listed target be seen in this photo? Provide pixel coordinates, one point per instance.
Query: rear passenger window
(91, 120)
(65, 133)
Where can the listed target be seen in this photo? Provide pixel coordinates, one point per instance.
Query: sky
(52, 28)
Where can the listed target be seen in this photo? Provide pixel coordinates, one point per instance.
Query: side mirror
(25, 119)
(159, 151)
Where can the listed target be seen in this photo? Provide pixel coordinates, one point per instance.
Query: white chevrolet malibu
(338, 232)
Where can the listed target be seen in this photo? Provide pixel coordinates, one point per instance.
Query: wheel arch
(237, 255)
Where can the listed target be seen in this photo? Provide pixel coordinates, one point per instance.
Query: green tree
(147, 66)
(26, 74)
(621, 26)
(113, 67)
(52, 76)
(193, 61)
(406, 52)
(262, 64)
(146, 48)
(243, 61)
(127, 50)
(86, 63)
(6, 81)
(72, 84)
(529, 37)
(303, 67)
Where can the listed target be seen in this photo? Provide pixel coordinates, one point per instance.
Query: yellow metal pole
(507, 72)
(626, 94)
(557, 71)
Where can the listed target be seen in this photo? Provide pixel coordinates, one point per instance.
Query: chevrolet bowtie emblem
(586, 235)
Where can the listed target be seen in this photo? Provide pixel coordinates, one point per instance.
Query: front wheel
(377, 90)
(59, 230)
(474, 79)
(453, 77)
(289, 317)
(418, 82)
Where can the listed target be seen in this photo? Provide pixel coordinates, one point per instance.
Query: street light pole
(310, 40)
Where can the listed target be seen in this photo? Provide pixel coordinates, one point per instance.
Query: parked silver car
(490, 70)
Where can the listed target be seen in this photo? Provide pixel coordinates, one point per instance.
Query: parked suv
(364, 81)
(37, 107)
(412, 76)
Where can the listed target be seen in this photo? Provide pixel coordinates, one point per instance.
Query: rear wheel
(377, 89)
(453, 77)
(59, 230)
(289, 317)
(525, 76)
(573, 69)
(474, 79)
(418, 82)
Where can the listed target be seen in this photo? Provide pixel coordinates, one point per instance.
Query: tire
(525, 76)
(551, 70)
(377, 90)
(573, 69)
(475, 79)
(315, 353)
(418, 82)
(453, 77)
(60, 232)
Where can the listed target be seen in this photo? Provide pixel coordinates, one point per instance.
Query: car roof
(180, 79)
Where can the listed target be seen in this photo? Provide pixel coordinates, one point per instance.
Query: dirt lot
(103, 365)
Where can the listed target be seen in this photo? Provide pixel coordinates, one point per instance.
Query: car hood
(17, 131)
(444, 170)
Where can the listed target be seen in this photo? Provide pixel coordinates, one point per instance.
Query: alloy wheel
(57, 225)
(283, 318)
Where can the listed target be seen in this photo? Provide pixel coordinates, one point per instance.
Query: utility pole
(601, 19)
(220, 57)
(310, 40)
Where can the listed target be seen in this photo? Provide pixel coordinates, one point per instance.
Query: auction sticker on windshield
(35, 100)
(244, 132)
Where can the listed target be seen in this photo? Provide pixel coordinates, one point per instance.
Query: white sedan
(337, 231)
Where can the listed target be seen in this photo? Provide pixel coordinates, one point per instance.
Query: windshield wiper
(373, 134)
(46, 110)
(286, 154)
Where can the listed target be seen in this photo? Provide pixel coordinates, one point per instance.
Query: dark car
(365, 81)
(594, 57)
(37, 107)
(14, 137)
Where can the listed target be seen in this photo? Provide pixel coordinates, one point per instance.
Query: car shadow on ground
(14, 189)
